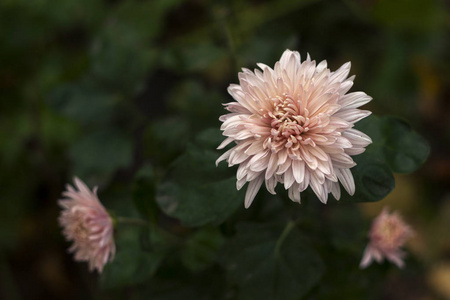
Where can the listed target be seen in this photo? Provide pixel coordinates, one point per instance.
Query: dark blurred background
(100, 89)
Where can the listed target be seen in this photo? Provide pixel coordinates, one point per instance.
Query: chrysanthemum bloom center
(290, 121)
(391, 234)
(80, 230)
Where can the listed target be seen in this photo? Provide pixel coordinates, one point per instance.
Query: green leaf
(131, 265)
(202, 248)
(405, 150)
(395, 142)
(265, 265)
(395, 148)
(197, 192)
(373, 179)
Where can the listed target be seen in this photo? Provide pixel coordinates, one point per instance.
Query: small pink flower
(387, 235)
(87, 223)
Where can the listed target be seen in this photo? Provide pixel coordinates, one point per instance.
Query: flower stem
(131, 221)
(289, 226)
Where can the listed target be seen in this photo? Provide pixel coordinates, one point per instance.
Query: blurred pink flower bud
(87, 223)
(387, 235)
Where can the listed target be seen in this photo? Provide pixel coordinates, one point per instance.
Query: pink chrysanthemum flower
(87, 223)
(294, 125)
(387, 235)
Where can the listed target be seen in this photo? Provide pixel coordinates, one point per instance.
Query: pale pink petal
(354, 100)
(294, 194)
(336, 190)
(252, 190)
(271, 183)
(346, 178)
(298, 170)
(367, 258)
(225, 143)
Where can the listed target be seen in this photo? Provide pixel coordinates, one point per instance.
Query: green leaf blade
(262, 268)
(197, 192)
(405, 150)
(131, 265)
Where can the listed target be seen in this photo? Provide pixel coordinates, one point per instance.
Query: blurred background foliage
(114, 91)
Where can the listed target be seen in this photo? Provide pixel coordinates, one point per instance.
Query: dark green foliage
(201, 249)
(342, 249)
(396, 148)
(265, 262)
(395, 142)
(197, 192)
(405, 150)
(133, 263)
(373, 179)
